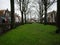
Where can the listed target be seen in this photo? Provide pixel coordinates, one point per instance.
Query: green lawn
(31, 34)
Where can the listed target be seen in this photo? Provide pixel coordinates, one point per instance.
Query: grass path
(31, 34)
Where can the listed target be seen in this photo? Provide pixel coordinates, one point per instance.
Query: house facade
(6, 14)
(5, 18)
(51, 16)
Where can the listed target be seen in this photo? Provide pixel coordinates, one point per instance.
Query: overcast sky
(5, 4)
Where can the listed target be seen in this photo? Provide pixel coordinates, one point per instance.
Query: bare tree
(12, 14)
(58, 17)
(20, 4)
(41, 10)
(23, 8)
(45, 5)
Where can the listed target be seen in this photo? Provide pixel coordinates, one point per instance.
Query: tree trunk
(25, 18)
(22, 10)
(22, 17)
(45, 19)
(20, 4)
(41, 13)
(58, 17)
(12, 14)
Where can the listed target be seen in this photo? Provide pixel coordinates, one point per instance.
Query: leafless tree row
(46, 4)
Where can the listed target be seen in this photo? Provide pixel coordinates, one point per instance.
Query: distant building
(5, 18)
(51, 16)
(6, 15)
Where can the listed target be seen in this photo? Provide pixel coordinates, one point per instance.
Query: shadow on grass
(5, 30)
(56, 43)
